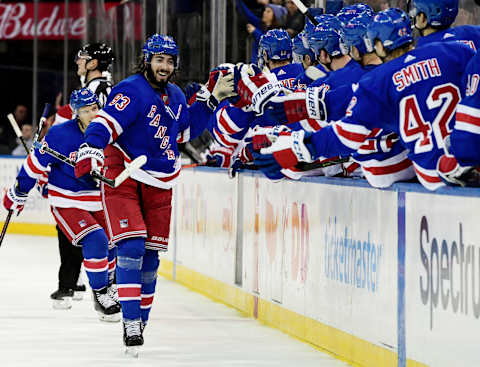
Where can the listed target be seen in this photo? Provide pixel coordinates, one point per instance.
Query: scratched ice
(185, 328)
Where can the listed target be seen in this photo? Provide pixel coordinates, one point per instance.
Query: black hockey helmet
(97, 51)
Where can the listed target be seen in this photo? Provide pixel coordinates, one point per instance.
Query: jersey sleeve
(193, 121)
(466, 133)
(35, 166)
(346, 136)
(231, 125)
(121, 110)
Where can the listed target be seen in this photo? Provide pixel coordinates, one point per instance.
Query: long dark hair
(140, 68)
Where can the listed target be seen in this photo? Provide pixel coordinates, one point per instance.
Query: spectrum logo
(452, 274)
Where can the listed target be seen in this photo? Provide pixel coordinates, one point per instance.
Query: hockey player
(144, 114)
(433, 19)
(275, 52)
(459, 165)
(75, 204)
(414, 95)
(93, 63)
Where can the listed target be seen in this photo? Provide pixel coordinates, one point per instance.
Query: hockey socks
(149, 282)
(95, 253)
(112, 264)
(129, 276)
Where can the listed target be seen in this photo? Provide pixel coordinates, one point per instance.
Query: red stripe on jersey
(127, 292)
(112, 127)
(146, 300)
(222, 139)
(32, 166)
(355, 137)
(223, 121)
(351, 167)
(314, 124)
(95, 264)
(385, 170)
(428, 178)
(170, 178)
(79, 198)
(463, 117)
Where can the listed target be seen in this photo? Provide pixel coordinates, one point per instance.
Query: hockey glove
(219, 156)
(295, 107)
(89, 159)
(289, 149)
(254, 87)
(14, 199)
(452, 173)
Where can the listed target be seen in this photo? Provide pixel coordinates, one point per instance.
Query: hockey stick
(304, 10)
(325, 163)
(46, 109)
(5, 225)
(117, 181)
(18, 132)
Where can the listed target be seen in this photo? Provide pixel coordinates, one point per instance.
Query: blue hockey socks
(95, 254)
(129, 276)
(149, 282)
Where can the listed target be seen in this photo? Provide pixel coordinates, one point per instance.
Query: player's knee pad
(95, 245)
(130, 253)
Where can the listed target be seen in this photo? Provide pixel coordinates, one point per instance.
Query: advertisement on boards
(442, 270)
(326, 252)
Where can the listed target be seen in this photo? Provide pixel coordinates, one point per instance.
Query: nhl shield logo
(123, 223)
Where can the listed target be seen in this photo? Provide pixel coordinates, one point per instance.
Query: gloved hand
(289, 148)
(254, 87)
(42, 186)
(89, 159)
(14, 200)
(223, 88)
(219, 156)
(297, 106)
(452, 173)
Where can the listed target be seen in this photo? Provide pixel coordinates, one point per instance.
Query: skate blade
(78, 296)
(132, 351)
(109, 318)
(62, 304)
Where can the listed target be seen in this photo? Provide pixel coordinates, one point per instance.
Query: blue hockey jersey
(414, 96)
(467, 34)
(141, 120)
(465, 138)
(64, 189)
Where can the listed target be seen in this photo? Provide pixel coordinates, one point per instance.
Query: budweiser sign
(17, 21)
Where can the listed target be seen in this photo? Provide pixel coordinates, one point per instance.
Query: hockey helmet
(97, 51)
(392, 27)
(160, 44)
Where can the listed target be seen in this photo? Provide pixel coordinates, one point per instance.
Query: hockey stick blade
(137, 163)
(5, 226)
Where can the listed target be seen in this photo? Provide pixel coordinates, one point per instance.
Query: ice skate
(79, 292)
(112, 291)
(62, 299)
(132, 337)
(108, 310)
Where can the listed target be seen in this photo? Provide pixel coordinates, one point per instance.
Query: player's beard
(151, 78)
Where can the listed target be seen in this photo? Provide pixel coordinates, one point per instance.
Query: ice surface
(185, 328)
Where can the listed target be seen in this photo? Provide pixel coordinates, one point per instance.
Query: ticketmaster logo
(354, 262)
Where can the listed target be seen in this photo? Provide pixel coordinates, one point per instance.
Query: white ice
(185, 328)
